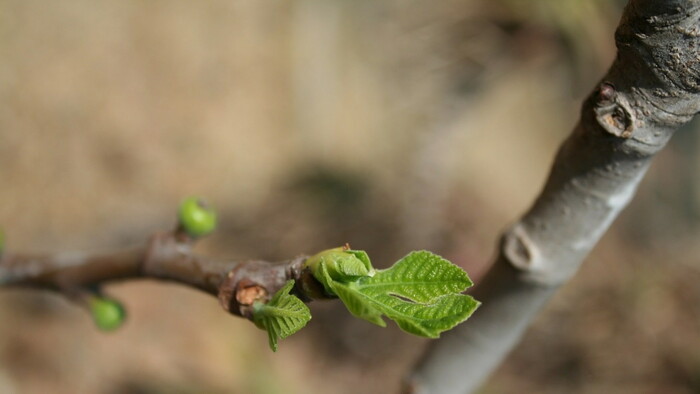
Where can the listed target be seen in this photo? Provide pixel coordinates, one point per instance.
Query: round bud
(196, 218)
(108, 314)
(606, 92)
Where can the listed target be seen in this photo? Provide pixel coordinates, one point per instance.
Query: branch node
(227, 293)
(613, 112)
(161, 247)
(522, 254)
(606, 93)
(517, 247)
(253, 281)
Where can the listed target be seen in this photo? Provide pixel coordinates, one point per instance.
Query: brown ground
(388, 124)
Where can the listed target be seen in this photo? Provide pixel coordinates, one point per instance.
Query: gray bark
(651, 89)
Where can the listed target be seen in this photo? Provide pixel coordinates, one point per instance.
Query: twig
(166, 256)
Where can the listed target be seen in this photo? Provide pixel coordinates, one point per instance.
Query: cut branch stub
(248, 292)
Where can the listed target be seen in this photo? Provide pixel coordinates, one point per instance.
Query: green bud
(196, 218)
(341, 264)
(2, 241)
(108, 314)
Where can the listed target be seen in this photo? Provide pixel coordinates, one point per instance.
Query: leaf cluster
(422, 293)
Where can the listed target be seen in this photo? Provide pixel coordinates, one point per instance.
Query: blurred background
(393, 125)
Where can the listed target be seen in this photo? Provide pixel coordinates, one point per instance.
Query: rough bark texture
(651, 89)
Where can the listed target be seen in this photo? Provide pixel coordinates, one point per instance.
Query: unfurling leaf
(421, 293)
(341, 264)
(282, 316)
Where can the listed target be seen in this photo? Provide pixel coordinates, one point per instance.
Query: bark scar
(613, 111)
(519, 249)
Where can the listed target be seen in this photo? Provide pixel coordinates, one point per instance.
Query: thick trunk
(651, 89)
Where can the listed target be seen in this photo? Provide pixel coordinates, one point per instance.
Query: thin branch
(166, 256)
(651, 89)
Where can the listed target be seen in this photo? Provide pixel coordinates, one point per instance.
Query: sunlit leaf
(421, 293)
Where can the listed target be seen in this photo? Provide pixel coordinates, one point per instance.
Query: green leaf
(421, 293)
(354, 302)
(282, 316)
(421, 276)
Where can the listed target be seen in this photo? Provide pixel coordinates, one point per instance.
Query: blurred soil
(388, 124)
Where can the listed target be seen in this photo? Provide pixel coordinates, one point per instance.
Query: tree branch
(166, 256)
(651, 89)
